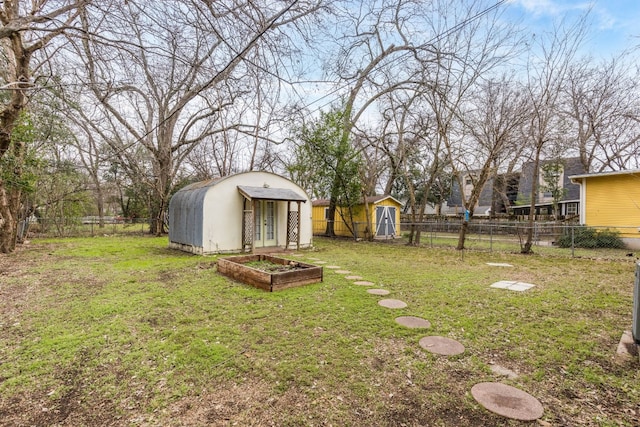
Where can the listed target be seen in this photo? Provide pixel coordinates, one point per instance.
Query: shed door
(265, 234)
(385, 221)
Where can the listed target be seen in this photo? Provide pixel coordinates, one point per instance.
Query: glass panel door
(269, 223)
(266, 223)
(258, 221)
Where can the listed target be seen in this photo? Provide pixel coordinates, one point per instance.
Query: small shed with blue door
(382, 218)
(240, 213)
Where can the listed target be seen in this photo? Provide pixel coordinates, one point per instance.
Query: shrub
(586, 237)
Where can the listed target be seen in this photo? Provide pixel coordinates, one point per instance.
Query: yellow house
(612, 200)
(384, 218)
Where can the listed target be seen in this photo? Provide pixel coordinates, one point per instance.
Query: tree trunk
(526, 248)
(9, 204)
(10, 195)
(157, 225)
(331, 216)
(464, 228)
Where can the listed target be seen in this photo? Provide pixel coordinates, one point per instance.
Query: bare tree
(492, 120)
(465, 56)
(162, 75)
(25, 30)
(602, 103)
(407, 139)
(377, 37)
(548, 69)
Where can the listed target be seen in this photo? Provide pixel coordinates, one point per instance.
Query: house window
(326, 213)
(468, 186)
(572, 208)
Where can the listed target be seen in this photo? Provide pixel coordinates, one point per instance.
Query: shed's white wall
(223, 206)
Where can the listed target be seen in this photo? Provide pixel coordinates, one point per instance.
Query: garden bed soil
(268, 272)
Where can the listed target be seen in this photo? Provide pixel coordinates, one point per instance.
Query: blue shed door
(385, 221)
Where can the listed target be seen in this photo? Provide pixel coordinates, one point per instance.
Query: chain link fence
(81, 226)
(547, 238)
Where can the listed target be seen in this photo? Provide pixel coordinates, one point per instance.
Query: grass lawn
(124, 331)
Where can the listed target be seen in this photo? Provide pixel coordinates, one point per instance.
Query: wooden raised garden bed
(268, 272)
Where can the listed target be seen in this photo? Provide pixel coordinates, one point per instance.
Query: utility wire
(405, 54)
(236, 57)
(240, 56)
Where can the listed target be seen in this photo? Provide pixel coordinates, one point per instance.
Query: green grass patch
(125, 329)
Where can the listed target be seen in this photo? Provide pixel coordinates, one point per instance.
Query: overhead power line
(241, 56)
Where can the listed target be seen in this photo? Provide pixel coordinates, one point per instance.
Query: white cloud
(552, 8)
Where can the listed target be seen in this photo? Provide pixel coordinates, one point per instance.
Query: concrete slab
(512, 285)
(503, 372)
(353, 277)
(499, 264)
(627, 348)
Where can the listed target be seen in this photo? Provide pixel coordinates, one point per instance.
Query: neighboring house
(568, 203)
(384, 214)
(611, 199)
(240, 213)
(497, 196)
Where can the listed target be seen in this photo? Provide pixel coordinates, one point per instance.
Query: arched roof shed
(240, 213)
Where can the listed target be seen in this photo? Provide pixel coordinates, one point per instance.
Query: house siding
(613, 201)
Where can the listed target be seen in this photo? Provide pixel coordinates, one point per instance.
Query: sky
(614, 27)
(615, 24)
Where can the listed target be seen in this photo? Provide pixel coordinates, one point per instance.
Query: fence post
(431, 231)
(490, 236)
(573, 241)
(635, 331)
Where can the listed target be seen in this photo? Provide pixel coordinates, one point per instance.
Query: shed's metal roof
(268, 193)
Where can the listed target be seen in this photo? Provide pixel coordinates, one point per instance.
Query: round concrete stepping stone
(363, 283)
(343, 271)
(333, 267)
(507, 401)
(353, 277)
(441, 345)
(378, 291)
(392, 303)
(413, 322)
